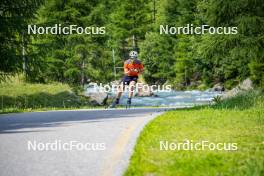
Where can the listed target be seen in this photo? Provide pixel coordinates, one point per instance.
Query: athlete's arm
(126, 69)
(141, 68)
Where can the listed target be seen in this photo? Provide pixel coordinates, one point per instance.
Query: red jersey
(132, 64)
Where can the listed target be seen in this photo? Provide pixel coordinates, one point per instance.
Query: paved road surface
(113, 131)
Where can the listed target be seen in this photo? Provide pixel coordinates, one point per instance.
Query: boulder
(231, 93)
(218, 87)
(97, 98)
(244, 86)
(144, 94)
(144, 90)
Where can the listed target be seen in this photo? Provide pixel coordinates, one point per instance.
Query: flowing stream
(174, 99)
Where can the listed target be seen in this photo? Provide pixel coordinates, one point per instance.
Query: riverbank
(19, 96)
(237, 120)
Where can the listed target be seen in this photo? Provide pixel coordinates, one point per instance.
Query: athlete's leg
(120, 90)
(132, 85)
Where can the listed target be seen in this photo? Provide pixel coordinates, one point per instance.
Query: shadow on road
(13, 123)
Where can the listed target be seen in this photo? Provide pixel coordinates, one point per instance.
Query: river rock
(218, 87)
(231, 93)
(97, 98)
(244, 86)
(144, 91)
(144, 94)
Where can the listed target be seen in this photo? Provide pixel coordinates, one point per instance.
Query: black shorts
(127, 79)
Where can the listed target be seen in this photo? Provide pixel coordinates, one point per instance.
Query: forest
(193, 61)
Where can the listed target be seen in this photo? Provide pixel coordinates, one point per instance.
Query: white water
(174, 99)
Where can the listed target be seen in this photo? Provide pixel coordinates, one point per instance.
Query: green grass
(18, 96)
(238, 120)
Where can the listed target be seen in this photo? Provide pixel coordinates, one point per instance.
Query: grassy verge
(17, 96)
(238, 120)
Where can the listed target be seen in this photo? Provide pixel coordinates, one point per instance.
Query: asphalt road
(101, 141)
